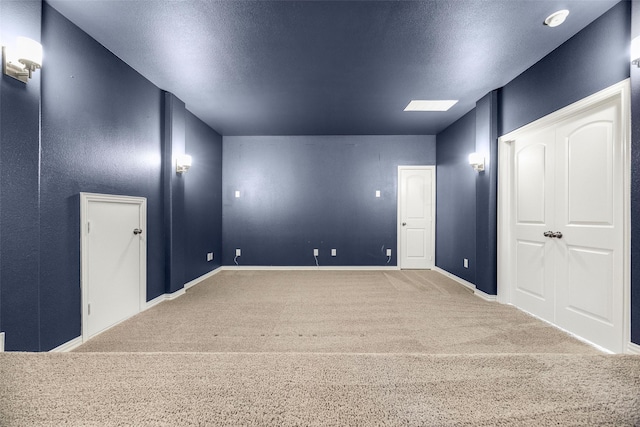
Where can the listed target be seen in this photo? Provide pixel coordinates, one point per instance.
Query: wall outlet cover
(333, 252)
(238, 252)
(388, 252)
(466, 263)
(237, 194)
(210, 256)
(315, 252)
(377, 193)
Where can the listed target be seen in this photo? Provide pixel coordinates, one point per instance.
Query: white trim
(1, 342)
(305, 268)
(456, 278)
(68, 346)
(157, 300)
(505, 264)
(201, 278)
(578, 337)
(485, 296)
(85, 199)
(633, 348)
(433, 213)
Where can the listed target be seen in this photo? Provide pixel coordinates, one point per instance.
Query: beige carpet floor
(334, 311)
(320, 348)
(305, 389)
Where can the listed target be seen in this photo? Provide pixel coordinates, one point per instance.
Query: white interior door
(416, 216)
(114, 258)
(590, 217)
(565, 236)
(534, 202)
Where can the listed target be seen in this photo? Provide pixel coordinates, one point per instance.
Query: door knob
(137, 231)
(404, 223)
(557, 235)
(548, 234)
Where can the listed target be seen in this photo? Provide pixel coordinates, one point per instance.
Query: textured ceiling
(328, 67)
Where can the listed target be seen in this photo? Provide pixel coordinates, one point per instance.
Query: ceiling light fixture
(183, 163)
(556, 18)
(427, 105)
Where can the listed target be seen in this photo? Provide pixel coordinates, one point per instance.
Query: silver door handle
(137, 231)
(404, 223)
(548, 234)
(557, 235)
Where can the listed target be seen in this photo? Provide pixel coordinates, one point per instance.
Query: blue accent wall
(101, 133)
(456, 198)
(203, 198)
(298, 193)
(19, 163)
(595, 58)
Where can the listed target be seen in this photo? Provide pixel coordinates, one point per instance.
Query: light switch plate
(377, 193)
(237, 194)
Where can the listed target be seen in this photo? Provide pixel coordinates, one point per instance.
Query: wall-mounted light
(22, 61)
(183, 163)
(635, 51)
(476, 161)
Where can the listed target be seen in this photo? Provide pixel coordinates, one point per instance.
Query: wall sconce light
(23, 61)
(476, 161)
(183, 163)
(635, 51)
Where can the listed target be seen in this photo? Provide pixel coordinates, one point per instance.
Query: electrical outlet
(466, 263)
(237, 194)
(334, 252)
(1, 342)
(377, 193)
(315, 252)
(210, 256)
(388, 252)
(238, 252)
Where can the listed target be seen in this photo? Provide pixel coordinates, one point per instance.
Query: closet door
(533, 213)
(589, 201)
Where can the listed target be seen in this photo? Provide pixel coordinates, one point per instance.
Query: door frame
(433, 212)
(620, 91)
(85, 200)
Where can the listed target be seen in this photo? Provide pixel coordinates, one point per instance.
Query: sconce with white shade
(21, 62)
(635, 51)
(183, 163)
(476, 161)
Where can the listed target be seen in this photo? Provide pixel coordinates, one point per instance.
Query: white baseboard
(203, 277)
(456, 278)
(633, 348)
(1, 342)
(485, 296)
(309, 268)
(68, 346)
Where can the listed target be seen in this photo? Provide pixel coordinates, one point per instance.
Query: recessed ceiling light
(556, 18)
(427, 105)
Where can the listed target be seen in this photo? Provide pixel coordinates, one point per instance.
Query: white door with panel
(114, 260)
(416, 216)
(568, 224)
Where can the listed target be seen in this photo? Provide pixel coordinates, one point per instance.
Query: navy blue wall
(595, 58)
(101, 133)
(456, 198)
(635, 185)
(203, 198)
(303, 192)
(19, 163)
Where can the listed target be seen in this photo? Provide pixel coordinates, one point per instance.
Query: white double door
(568, 224)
